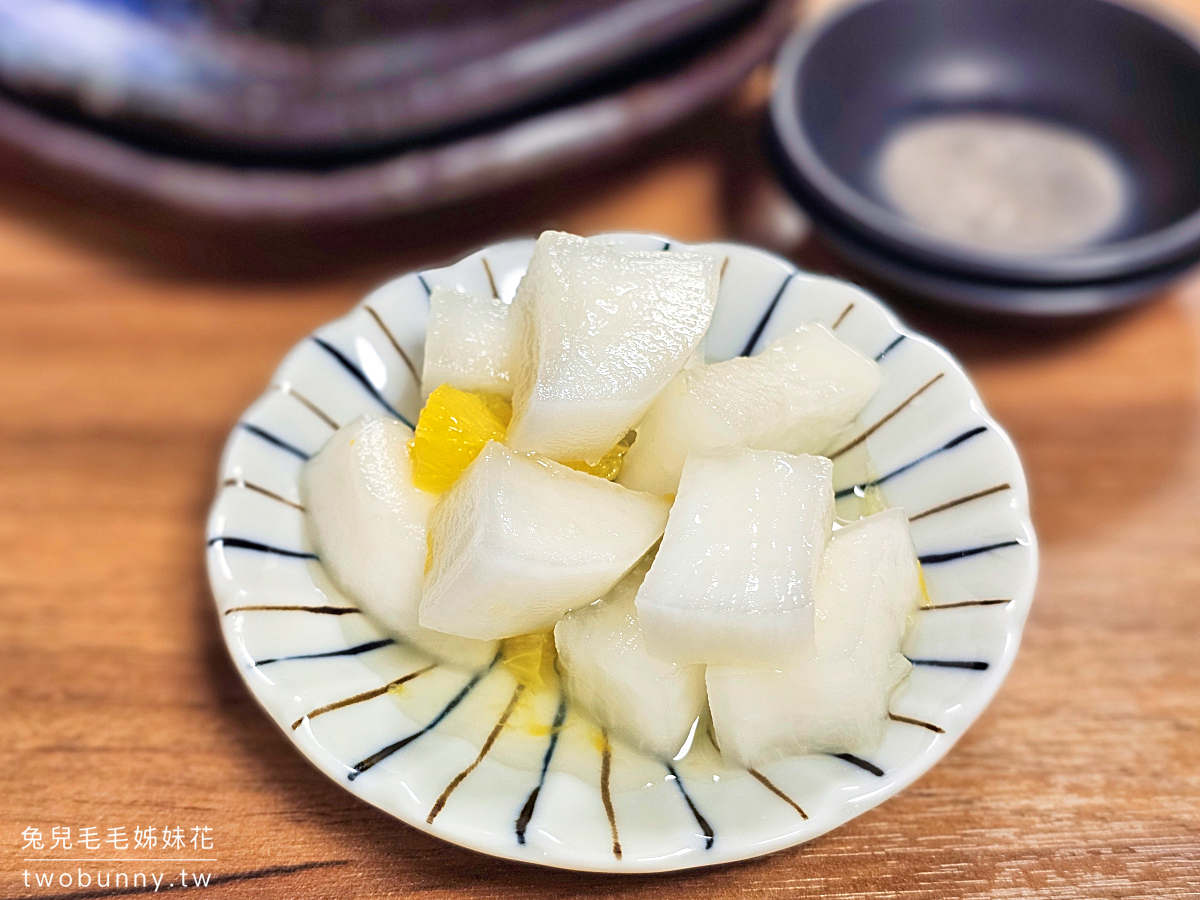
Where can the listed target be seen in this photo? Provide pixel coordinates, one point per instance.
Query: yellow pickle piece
(530, 659)
(609, 465)
(453, 427)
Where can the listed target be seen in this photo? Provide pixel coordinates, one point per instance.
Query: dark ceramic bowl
(1127, 81)
(994, 299)
(315, 79)
(406, 178)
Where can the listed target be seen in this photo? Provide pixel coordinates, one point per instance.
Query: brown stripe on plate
(840, 319)
(251, 486)
(365, 695)
(440, 803)
(309, 405)
(491, 278)
(937, 729)
(950, 504)
(606, 791)
(770, 786)
(904, 403)
(392, 339)
(958, 604)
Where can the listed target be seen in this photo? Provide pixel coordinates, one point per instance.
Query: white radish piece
(796, 396)
(469, 343)
(734, 578)
(602, 332)
(650, 703)
(836, 699)
(367, 524)
(517, 541)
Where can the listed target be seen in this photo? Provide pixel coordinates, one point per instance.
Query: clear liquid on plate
(580, 739)
(1003, 183)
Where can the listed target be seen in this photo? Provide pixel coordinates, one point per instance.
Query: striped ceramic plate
(470, 756)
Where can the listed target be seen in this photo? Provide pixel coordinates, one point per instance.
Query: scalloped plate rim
(1021, 601)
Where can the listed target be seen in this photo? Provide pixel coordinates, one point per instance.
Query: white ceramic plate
(437, 749)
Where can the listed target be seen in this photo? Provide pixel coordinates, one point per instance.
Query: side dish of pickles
(579, 469)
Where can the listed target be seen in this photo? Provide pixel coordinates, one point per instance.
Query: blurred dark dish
(312, 77)
(1092, 102)
(598, 118)
(1006, 299)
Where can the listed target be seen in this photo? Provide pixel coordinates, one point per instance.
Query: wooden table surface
(131, 340)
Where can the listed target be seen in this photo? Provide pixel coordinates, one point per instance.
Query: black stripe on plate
(243, 544)
(317, 610)
(762, 323)
(861, 763)
(357, 374)
(932, 559)
(380, 755)
(975, 665)
(889, 348)
(949, 445)
(276, 441)
(348, 651)
(526, 813)
(709, 837)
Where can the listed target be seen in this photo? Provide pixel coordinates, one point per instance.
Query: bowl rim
(1021, 600)
(1031, 302)
(411, 179)
(817, 185)
(310, 114)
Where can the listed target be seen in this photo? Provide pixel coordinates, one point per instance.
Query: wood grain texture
(130, 342)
